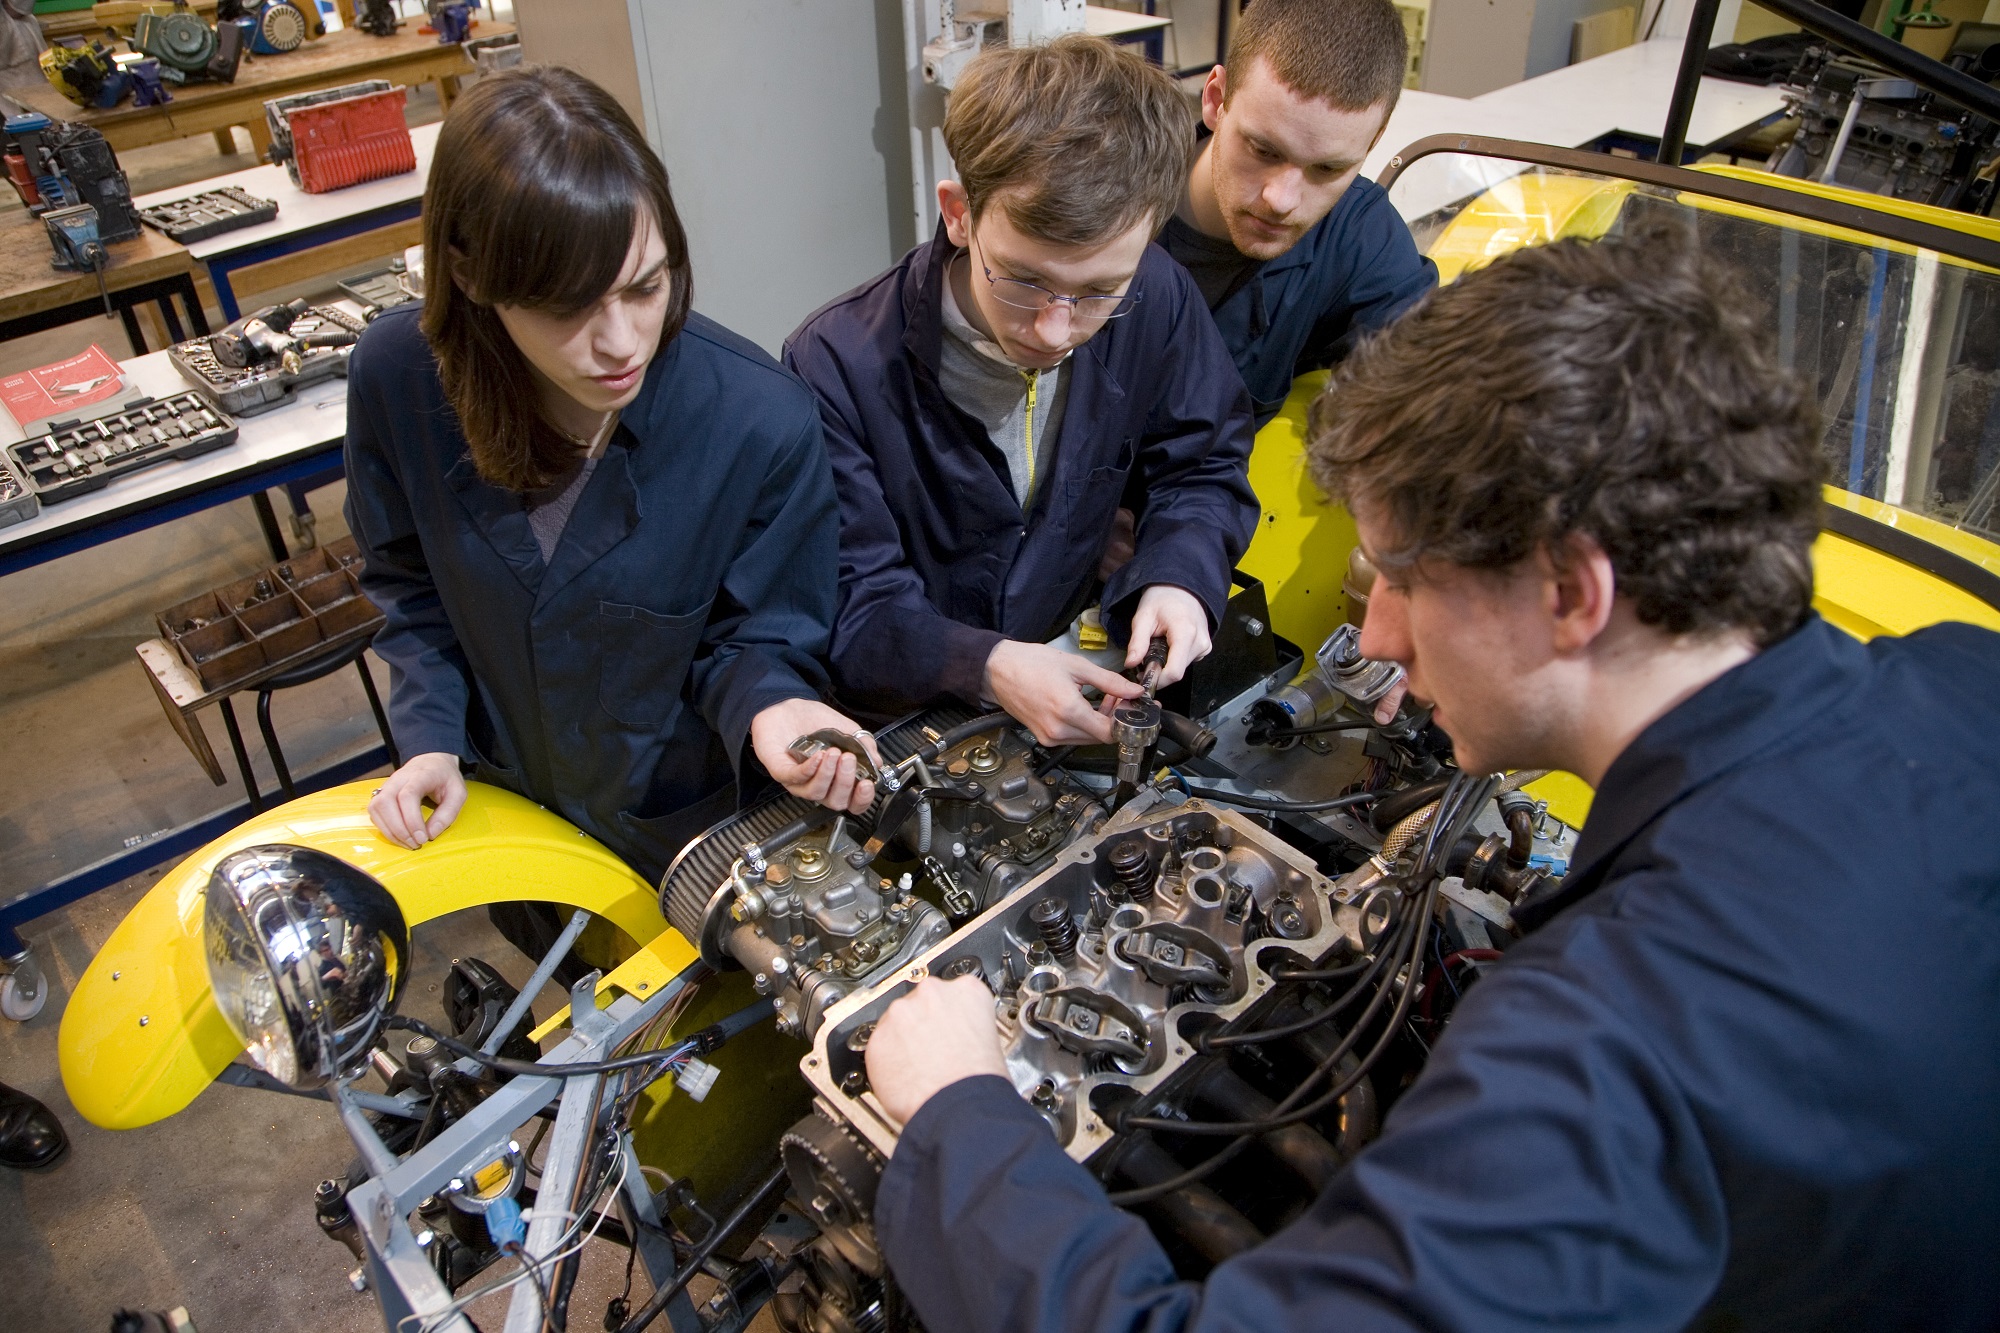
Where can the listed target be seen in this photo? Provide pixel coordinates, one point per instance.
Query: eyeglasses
(1033, 296)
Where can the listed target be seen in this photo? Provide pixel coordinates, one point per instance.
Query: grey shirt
(549, 508)
(1021, 409)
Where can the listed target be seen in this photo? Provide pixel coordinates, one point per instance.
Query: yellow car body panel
(1526, 210)
(1302, 543)
(141, 1035)
(1970, 224)
(1300, 548)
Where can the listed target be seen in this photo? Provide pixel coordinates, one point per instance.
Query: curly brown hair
(1622, 389)
(1078, 140)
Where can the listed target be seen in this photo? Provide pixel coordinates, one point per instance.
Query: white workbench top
(1630, 88)
(297, 210)
(1625, 91)
(316, 418)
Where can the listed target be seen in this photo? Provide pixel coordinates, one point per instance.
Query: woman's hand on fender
(397, 808)
(830, 777)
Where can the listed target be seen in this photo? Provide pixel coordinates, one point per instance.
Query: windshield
(1903, 344)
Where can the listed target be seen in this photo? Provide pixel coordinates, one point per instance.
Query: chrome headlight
(306, 956)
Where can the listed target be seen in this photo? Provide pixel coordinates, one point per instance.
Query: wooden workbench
(408, 58)
(35, 296)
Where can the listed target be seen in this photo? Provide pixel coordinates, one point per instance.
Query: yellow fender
(141, 1036)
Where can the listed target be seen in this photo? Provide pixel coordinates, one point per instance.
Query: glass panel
(1902, 345)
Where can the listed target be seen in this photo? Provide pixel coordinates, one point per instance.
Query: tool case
(246, 391)
(73, 458)
(17, 503)
(210, 213)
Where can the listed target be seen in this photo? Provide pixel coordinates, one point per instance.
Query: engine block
(1108, 965)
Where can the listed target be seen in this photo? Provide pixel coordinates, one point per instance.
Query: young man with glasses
(1295, 256)
(991, 400)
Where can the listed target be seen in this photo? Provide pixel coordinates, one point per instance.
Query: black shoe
(30, 1135)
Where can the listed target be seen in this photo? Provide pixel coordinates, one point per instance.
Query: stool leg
(242, 758)
(375, 703)
(271, 744)
(303, 522)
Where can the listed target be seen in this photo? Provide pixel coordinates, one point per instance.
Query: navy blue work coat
(937, 561)
(1747, 1076)
(692, 588)
(1355, 271)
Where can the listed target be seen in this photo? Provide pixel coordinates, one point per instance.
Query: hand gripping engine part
(1337, 676)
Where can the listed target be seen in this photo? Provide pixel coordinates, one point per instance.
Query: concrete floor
(212, 1208)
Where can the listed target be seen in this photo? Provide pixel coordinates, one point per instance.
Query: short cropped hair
(539, 183)
(1078, 139)
(1350, 54)
(1618, 389)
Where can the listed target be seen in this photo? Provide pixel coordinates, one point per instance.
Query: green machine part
(181, 42)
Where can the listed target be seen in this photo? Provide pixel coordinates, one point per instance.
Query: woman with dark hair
(602, 528)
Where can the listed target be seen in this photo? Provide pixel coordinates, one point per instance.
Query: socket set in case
(271, 619)
(246, 391)
(76, 457)
(210, 213)
(17, 503)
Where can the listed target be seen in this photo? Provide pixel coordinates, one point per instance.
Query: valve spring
(1132, 870)
(1051, 917)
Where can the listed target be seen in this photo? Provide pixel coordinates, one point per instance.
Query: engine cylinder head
(1132, 870)
(1057, 928)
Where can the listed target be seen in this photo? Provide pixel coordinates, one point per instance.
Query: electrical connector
(504, 1224)
(696, 1078)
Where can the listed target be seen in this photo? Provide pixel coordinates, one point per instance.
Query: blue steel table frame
(31, 903)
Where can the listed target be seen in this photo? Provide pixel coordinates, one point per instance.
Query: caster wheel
(19, 1003)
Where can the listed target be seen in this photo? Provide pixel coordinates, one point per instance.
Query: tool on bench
(265, 337)
(261, 359)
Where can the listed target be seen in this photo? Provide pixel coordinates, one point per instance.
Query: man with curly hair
(1739, 1070)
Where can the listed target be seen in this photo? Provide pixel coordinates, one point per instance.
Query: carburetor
(994, 821)
(1108, 967)
(812, 921)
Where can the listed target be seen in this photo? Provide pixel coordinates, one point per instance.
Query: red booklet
(82, 385)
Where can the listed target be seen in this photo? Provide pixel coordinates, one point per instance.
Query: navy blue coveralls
(692, 588)
(1354, 272)
(937, 561)
(1746, 1077)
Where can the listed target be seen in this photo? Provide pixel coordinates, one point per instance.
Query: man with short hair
(1739, 1071)
(989, 400)
(1294, 254)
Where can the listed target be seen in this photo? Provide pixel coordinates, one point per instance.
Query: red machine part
(337, 144)
(23, 180)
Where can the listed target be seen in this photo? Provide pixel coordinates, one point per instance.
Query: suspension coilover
(1058, 929)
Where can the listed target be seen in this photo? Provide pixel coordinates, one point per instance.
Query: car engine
(1861, 127)
(1226, 940)
(1194, 946)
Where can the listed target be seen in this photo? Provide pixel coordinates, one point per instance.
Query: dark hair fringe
(539, 185)
(1621, 389)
